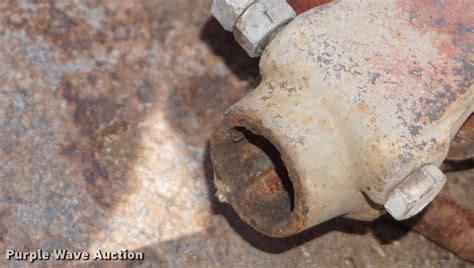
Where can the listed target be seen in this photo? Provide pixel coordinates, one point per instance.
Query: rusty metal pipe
(344, 114)
(449, 219)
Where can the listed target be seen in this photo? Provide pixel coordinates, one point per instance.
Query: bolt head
(258, 24)
(415, 192)
(228, 11)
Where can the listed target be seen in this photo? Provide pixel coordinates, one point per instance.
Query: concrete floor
(106, 111)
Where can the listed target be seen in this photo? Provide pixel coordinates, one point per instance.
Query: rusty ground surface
(106, 108)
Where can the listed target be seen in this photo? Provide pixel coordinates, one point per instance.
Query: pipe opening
(259, 187)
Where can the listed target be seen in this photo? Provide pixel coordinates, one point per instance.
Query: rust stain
(306, 120)
(269, 184)
(467, 130)
(450, 27)
(450, 17)
(450, 224)
(398, 34)
(109, 148)
(363, 108)
(196, 104)
(301, 6)
(461, 150)
(249, 151)
(462, 146)
(325, 126)
(127, 79)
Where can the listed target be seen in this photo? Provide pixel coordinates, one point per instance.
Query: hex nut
(415, 192)
(258, 24)
(228, 11)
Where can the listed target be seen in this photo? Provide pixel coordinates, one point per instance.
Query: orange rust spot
(398, 35)
(424, 120)
(467, 129)
(325, 126)
(296, 227)
(450, 224)
(306, 120)
(301, 6)
(249, 151)
(449, 50)
(269, 185)
(363, 108)
(445, 18)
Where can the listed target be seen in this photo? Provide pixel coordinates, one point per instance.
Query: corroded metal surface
(301, 6)
(449, 220)
(467, 129)
(106, 108)
(462, 146)
(350, 112)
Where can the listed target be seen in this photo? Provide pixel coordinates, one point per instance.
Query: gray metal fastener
(228, 11)
(415, 192)
(254, 23)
